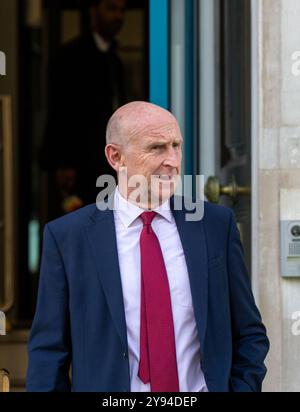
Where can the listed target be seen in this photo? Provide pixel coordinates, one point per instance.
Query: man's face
(156, 152)
(109, 15)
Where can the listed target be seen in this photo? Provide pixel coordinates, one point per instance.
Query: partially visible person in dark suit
(86, 85)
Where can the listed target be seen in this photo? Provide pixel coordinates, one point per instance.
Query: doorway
(210, 78)
(45, 27)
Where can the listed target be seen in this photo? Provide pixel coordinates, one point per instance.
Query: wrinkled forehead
(162, 126)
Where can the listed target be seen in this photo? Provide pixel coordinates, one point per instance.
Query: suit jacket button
(125, 354)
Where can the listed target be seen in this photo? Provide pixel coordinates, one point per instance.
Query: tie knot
(147, 217)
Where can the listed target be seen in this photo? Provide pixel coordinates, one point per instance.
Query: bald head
(136, 119)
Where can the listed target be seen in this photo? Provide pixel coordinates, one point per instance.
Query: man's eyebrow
(163, 143)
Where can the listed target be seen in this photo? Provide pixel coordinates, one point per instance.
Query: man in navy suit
(136, 297)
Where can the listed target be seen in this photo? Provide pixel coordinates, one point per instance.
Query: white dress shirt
(128, 231)
(101, 44)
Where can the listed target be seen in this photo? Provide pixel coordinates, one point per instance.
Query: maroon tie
(158, 363)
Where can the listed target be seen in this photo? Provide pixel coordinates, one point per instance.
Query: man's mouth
(165, 178)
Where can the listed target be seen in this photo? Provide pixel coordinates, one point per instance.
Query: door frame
(159, 61)
(255, 132)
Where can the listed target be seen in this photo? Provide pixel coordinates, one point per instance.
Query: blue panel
(189, 88)
(159, 53)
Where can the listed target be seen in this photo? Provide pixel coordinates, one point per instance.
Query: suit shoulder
(77, 44)
(74, 50)
(74, 219)
(217, 213)
(217, 225)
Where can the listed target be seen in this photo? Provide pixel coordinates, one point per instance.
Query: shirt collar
(129, 212)
(101, 44)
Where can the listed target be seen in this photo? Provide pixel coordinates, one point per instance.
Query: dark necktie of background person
(158, 364)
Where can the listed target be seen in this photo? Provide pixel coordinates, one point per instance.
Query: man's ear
(114, 156)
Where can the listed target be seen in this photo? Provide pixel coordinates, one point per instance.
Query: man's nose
(173, 158)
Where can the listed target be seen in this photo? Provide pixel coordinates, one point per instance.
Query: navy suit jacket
(80, 317)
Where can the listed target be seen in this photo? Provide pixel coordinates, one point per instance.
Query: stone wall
(278, 183)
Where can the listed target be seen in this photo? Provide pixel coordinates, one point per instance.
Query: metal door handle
(213, 189)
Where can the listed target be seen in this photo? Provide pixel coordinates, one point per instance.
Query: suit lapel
(102, 240)
(194, 246)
